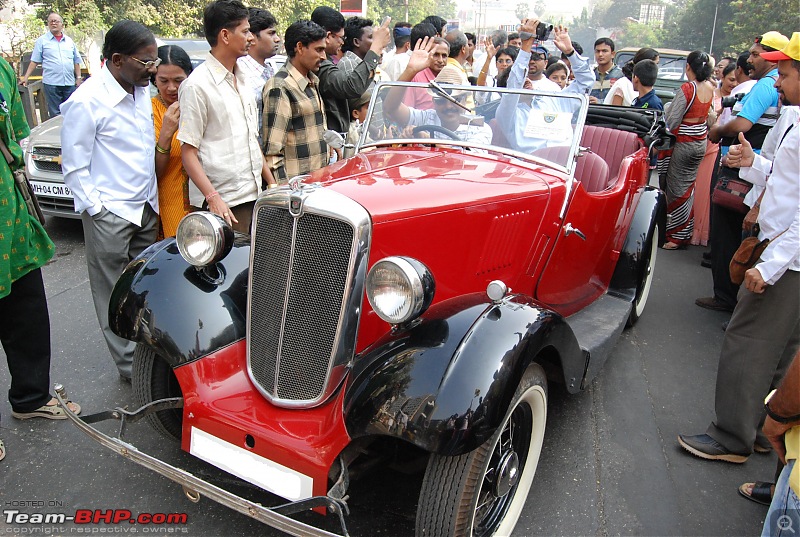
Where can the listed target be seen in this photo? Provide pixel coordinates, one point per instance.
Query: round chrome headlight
(399, 289)
(203, 238)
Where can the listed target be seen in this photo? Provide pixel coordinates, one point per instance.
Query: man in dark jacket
(336, 86)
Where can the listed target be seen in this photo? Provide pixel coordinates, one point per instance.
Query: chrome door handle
(569, 230)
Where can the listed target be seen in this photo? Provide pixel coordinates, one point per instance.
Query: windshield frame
(569, 168)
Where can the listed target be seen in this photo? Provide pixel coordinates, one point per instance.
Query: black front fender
(181, 312)
(445, 384)
(651, 210)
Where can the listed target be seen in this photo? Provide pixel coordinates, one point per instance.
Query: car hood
(48, 133)
(398, 183)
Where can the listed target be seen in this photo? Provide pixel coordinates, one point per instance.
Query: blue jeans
(55, 96)
(783, 518)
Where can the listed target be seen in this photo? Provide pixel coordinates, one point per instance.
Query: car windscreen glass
(539, 126)
(669, 67)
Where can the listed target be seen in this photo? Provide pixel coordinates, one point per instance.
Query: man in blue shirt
(514, 111)
(60, 61)
(758, 115)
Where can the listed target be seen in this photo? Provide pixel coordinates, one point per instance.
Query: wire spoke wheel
(482, 492)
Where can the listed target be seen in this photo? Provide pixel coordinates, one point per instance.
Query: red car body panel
(220, 399)
(413, 194)
(579, 271)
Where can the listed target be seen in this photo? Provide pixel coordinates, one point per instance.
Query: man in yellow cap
(764, 331)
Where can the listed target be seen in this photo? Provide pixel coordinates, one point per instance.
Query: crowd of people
(215, 136)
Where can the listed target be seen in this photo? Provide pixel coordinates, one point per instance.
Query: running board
(597, 329)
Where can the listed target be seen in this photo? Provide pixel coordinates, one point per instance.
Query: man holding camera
(758, 115)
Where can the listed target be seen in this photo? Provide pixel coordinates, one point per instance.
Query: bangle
(483, 71)
(161, 149)
(778, 418)
(211, 195)
(271, 186)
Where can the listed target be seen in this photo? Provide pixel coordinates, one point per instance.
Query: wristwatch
(776, 417)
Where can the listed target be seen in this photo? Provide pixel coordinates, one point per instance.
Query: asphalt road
(610, 464)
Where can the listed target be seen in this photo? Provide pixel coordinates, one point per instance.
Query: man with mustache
(219, 122)
(294, 115)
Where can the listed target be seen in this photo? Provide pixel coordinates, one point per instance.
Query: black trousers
(25, 335)
(725, 237)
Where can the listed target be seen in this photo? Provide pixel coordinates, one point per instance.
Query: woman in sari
(686, 117)
(173, 185)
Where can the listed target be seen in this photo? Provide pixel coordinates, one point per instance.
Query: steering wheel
(435, 128)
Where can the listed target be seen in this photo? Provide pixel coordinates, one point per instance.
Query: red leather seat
(611, 145)
(591, 170)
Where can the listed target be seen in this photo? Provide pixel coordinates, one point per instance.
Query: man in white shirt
(219, 122)
(61, 64)
(513, 113)
(108, 148)
(254, 64)
(764, 332)
(402, 43)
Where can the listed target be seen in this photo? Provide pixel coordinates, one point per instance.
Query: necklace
(161, 100)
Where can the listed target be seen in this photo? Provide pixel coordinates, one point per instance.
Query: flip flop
(672, 246)
(761, 492)
(50, 412)
(2, 451)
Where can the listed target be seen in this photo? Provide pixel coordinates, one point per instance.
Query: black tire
(460, 495)
(153, 379)
(645, 277)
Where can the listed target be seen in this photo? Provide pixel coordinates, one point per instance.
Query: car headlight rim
(203, 238)
(389, 300)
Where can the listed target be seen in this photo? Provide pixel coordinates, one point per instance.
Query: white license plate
(56, 190)
(258, 470)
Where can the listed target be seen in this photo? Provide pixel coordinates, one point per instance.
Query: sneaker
(711, 303)
(705, 447)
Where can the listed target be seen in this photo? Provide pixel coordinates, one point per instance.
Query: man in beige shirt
(219, 122)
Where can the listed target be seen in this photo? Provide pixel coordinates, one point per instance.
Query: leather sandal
(760, 492)
(2, 450)
(48, 411)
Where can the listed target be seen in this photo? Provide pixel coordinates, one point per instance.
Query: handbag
(748, 254)
(730, 191)
(23, 185)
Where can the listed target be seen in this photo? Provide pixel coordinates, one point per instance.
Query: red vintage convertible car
(418, 296)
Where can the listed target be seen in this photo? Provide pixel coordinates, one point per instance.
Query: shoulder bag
(748, 254)
(23, 185)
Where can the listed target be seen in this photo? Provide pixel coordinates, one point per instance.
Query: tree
(397, 9)
(522, 10)
(751, 19)
(635, 34)
(690, 28)
(583, 31)
(21, 34)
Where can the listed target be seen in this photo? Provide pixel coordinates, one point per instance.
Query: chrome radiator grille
(301, 269)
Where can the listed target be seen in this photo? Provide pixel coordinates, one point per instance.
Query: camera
(730, 100)
(544, 31)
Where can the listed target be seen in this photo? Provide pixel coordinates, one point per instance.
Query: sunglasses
(148, 65)
(442, 100)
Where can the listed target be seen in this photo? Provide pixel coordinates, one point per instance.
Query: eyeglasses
(152, 64)
(441, 100)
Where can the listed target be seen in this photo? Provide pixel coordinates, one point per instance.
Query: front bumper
(193, 486)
